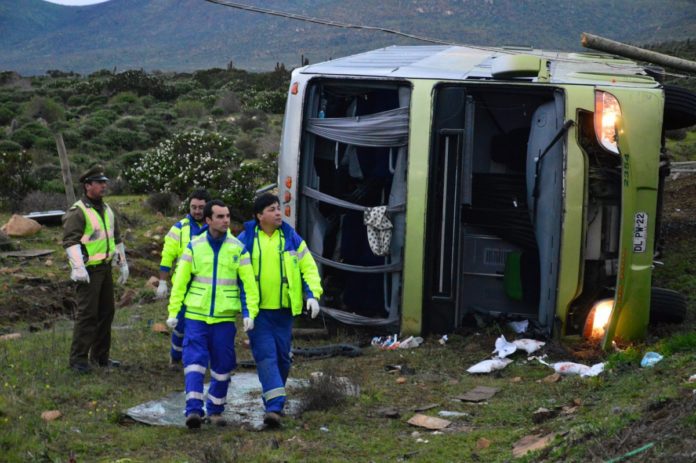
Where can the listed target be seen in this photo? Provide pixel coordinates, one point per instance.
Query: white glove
(248, 324)
(312, 307)
(120, 260)
(79, 275)
(77, 264)
(123, 277)
(162, 290)
(172, 322)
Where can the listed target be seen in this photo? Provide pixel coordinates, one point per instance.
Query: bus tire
(680, 108)
(667, 306)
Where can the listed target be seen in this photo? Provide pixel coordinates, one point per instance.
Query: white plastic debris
(692, 379)
(504, 348)
(450, 414)
(650, 359)
(520, 326)
(572, 368)
(411, 342)
(528, 345)
(443, 340)
(487, 366)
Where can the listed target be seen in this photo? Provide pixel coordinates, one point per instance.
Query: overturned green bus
(435, 182)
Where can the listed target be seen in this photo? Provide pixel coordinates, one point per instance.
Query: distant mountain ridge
(184, 35)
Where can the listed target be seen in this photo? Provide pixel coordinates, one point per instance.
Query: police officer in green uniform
(92, 242)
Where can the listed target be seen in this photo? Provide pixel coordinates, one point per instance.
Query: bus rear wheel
(667, 306)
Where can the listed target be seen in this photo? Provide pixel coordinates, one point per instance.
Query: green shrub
(128, 122)
(15, 171)
(77, 100)
(228, 102)
(155, 130)
(189, 108)
(124, 139)
(140, 83)
(246, 147)
(43, 201)
(45, 108)
(217, 111)
(6, 115)
(9, 146)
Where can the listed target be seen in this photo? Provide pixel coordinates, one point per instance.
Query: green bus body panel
(570, 275)
(639, 144)
(417, 193)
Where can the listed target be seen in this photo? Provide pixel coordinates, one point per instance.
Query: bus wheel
(680, 108)
(667, 306)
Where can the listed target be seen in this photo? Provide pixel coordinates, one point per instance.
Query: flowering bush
(189, 160)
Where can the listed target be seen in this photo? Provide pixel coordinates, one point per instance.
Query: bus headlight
(606, 116)
(597, 319)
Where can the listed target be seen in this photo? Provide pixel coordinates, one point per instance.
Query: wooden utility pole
(65, 168)
(617, 48)
(64, 164)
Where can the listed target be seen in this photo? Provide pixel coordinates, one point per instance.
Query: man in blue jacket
(285, 272)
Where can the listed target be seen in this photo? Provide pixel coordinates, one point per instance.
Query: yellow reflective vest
(98, 236)
(177, 239)
(213, 284)
(299, 273)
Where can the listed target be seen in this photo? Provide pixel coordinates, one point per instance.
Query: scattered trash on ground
(650, 359)
(400, 380)
(487, 366)
(504, 348)
(403, 369)
(160, 328)
(392, 342)
(530, 443)
(244, 406)
(692, 379)
(428, 422)
(451, 414)
(519, 327)
(388, 412)
(572, 368)
(443, 340)
(324, 429)
(478, 394)
(426, 407)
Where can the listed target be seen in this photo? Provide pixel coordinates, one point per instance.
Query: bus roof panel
(458, 63)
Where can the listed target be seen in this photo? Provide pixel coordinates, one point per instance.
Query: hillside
(193, 34)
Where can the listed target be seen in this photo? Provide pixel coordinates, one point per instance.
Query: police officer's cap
(93, 174)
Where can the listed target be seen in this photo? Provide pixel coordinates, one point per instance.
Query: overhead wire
(332, 23)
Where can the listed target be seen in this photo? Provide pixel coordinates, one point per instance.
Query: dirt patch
(667, 424)
(35, 299)
(679, 208)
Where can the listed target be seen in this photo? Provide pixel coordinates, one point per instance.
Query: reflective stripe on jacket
(176, 240)
(98, 236)
(299, 270)
(213, 284)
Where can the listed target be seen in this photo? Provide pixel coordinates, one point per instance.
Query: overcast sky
(76, 2)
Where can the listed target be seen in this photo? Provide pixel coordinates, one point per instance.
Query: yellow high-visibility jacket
(214, 280)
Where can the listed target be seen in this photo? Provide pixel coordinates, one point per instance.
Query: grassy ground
(625, 408)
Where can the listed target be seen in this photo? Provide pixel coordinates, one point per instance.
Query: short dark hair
(200, 194)
(263, 201)
(208, 209)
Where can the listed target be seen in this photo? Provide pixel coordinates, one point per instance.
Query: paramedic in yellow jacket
(175, 242)
(285, 272)
(215, 281)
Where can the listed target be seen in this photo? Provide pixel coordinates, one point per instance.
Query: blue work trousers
(271, 341)
(178, 336)
(208, 344)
